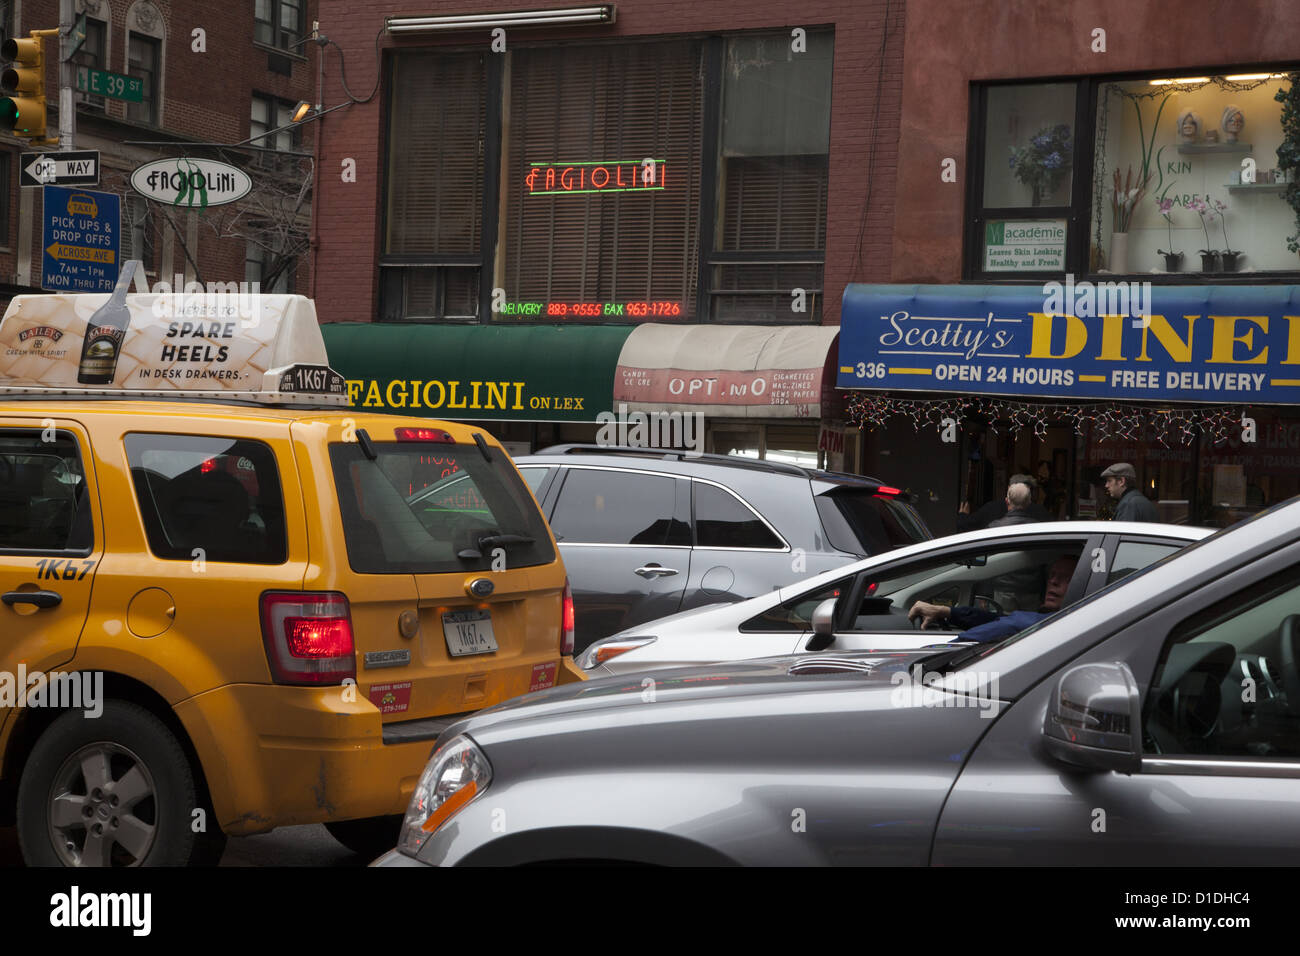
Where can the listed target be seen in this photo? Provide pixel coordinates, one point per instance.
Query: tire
(369, 837)
(134, 760)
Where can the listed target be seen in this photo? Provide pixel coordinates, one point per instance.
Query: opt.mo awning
(732, 371)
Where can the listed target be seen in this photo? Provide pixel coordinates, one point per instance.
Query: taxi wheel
(370, 837)
(116, 790)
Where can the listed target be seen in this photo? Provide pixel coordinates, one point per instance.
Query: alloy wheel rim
(103, 807)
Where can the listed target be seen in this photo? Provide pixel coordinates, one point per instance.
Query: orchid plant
(1165, 204)
(1221, 208)
(1206, 212)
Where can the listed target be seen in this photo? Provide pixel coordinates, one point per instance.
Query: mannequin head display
(1234, 120)
(1189, 127)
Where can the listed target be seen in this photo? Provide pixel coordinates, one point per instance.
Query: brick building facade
(207, 70)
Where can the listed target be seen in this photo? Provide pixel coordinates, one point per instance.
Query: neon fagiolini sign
(558, 179)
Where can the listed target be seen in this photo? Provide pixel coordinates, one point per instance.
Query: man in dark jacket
(1121, 482)
(982, 626)
(996, 508)
(1019, 497)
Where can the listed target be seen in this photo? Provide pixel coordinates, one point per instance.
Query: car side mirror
(823, 625)
(1094, 719)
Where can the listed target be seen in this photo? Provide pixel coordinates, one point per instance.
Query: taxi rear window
(218, 499)
(421, 509)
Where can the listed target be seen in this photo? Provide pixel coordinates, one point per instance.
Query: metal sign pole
(67, 75)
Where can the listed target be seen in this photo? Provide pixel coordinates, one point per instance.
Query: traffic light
(23, 80)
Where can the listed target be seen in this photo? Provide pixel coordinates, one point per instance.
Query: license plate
(468, 632)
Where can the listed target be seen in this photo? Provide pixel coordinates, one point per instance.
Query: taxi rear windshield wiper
(494, 541)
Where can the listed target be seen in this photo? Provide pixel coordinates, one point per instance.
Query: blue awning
(1128, 341)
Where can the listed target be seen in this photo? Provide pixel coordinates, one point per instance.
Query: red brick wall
(949, 46)
(207, 97)
(347, 215)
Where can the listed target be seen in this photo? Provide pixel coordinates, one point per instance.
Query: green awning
(478, 372)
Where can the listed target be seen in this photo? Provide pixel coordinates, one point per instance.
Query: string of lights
(1102, 421)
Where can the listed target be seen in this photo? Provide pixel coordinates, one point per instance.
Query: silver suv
(646, 533)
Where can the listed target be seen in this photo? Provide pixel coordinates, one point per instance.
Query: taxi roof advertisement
(1128, 341)
(206, 343)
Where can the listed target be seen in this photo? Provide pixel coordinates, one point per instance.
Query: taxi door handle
(39, 598)
(655, 571)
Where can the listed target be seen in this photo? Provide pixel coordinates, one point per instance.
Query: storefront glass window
(1185, 150)
(1029, 145)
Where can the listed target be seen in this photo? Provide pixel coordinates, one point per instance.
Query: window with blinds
(603, 241)
(434, 205)
(770, 236)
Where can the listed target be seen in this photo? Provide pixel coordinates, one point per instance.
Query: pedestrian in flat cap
(1121, 483)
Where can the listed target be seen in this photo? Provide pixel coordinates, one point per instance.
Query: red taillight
(424, 434)
(884, 492)
(208, 465)
(567, 619)
(308, 637)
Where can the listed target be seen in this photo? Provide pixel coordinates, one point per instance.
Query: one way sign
(80, 168)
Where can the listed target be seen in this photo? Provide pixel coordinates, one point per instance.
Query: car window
(43, 501)
(995, 582)
(859, 522)
(617, 507)
(411, 510)
(534, 476)
(795, 614)
(217, 499)
(1131, 556)
(723, 521)
(1228, 683)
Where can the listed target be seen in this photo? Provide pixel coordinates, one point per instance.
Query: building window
(433, 238)
(266, 265)
(1150, 182)
(278, 23)
(1028, 157)
(143, 59)
(773, 167)
(92, 55)
(270, 113)
(137, 232)
(1195, 137)
(602, 181)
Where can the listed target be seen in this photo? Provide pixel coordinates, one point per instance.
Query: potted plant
(1230, 256)
(1209, 257)
(1173, 260)
(1288, 154)
(1042, 164)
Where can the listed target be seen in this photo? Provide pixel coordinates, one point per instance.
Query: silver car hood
(770, 676)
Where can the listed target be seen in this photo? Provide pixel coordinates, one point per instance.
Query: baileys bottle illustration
(104, 333)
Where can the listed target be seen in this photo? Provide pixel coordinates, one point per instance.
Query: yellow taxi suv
(230, 603)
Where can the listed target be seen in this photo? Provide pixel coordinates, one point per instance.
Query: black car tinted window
(618, 507)
(721, 521)
(214, 499)
(862, 523)
(43, 501)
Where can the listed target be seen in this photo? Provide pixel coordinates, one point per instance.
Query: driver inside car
(982, 626)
